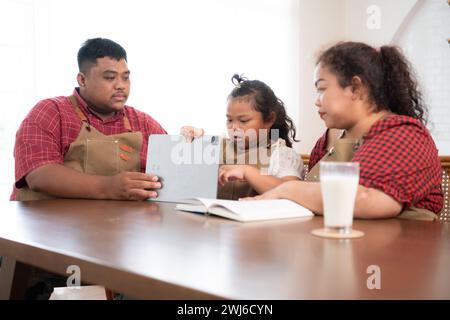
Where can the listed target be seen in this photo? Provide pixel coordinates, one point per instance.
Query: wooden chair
(445, 164)
(444, 216)
(305, 159)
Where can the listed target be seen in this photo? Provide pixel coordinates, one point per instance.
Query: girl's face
(336, 105)
(244, 122)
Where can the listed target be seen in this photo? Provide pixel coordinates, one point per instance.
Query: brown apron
(257, 157)
(94, 153)
(343, 149)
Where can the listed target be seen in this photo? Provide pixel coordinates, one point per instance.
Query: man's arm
(60, 181)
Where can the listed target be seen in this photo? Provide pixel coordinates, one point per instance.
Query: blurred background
(182, 54)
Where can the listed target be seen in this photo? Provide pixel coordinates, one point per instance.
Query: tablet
(185, 169)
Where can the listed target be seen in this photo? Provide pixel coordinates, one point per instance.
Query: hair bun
(237, 79)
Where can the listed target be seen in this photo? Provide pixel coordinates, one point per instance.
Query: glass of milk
(338, 183)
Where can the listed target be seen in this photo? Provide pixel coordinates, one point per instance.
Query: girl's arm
(285, 165)
(259, 182)
(370, 203)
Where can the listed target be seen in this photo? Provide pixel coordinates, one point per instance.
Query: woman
(371, 96)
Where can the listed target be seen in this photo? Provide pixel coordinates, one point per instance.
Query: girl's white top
(285, 161)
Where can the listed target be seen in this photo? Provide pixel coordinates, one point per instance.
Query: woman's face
(336, 105)
(244, 122)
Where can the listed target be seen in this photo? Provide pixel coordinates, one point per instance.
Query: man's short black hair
(96, 48)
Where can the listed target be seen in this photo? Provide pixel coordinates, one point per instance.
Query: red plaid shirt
(52, 125)
(399, 157)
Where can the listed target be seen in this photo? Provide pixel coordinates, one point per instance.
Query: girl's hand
(229, 173)
(190, 133)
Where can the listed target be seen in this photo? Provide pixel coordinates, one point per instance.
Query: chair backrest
(445, 164)
(305, 159)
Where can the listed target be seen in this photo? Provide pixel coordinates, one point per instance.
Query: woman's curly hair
(385, 72)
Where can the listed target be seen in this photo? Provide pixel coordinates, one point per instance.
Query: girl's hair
(385, 72)
(265, 101)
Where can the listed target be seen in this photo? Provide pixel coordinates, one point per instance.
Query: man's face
(106, 85)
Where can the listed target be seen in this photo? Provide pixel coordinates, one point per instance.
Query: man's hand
(131, 186)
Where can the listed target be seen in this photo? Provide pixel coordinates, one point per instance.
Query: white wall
(392, 14)
(320, 25)
(17, 85)
(181, 53)
(424, 39)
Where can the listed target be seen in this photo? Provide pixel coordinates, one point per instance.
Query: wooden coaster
(326, 233)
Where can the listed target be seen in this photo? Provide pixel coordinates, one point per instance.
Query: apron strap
(78, 111)
(126, 123)
(82, 116)
(333, 135)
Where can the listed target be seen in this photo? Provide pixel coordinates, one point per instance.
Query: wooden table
(149, 250)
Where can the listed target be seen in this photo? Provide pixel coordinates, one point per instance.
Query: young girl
(372, 97)
(258, 154)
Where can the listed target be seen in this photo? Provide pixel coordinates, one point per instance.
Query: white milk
(339, 193)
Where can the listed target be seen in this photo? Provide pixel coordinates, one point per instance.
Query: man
(89, 145)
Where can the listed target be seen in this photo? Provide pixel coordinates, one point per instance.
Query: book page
(258, 209)
(196, 205)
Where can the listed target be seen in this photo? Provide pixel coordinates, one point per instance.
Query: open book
(244, 211)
